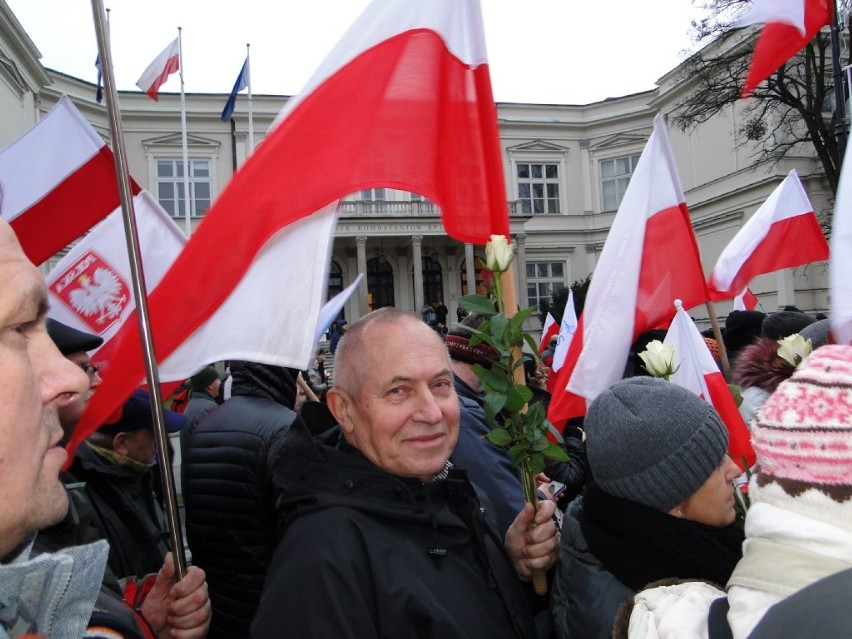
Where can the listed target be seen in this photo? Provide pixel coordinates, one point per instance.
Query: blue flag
(99, 95)
(241, 83)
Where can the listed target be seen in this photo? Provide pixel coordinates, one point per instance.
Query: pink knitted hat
(803, 432)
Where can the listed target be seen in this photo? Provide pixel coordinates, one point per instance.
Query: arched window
(433, 280)
(379, 283)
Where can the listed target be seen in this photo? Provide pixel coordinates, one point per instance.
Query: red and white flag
(788, 26)
(550, 330)
(57, 181)
(160, 69)
(567, 328)
(696, 370)
(404, 101)
(745, 301)
(649, 259)
(840, 267)
(783, 232)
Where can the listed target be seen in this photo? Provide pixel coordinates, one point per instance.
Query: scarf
(639, 544)
(117, 459)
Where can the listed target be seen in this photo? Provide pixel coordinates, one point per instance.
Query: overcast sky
(541, 51)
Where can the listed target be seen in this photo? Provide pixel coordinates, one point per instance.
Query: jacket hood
(265, 380)
(759, 365)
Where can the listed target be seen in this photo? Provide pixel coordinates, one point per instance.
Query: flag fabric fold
(241, 83)
(404, 101)
(649, 259)
(99, 92)
(160, 69)
(548, 331)
(782, 233)
(567, 328)
(840, 267)
(745, 301)
(696, 370)
(58, 180)
(788, 26)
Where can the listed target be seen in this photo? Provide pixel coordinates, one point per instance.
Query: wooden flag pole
(717, 335)
(139, 290)
(510, 308)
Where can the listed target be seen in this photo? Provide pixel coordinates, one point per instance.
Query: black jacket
(228, 494)
(370, 554)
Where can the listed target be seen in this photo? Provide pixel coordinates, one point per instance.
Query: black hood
(264, 380)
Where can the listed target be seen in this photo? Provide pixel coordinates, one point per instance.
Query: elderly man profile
(54, 594)
(383, 538)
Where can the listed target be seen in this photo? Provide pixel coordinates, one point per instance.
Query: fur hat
(803, 439)
(760, 365)
(653, 442)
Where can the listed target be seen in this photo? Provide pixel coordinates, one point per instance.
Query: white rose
(498, 254)
(794, 348)
(658, 358)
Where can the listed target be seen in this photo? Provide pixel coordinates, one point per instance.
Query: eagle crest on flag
(94, 291)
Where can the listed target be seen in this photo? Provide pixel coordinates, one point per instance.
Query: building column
(417, 257)
(361, 260)
(586, 171)
(470, 269)
(786, 288)
(521, 264)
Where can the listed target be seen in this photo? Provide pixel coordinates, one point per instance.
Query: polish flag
(566, 332)
(160, 69)
(783, 233)
(788, 26)
(650, 258)
(550, 330)
(745, 301)
(840, 267)
(696, 371)
(403, 101)
(58, 181)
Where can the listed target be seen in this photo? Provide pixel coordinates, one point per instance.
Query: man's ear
(119, 443)
(340, 405)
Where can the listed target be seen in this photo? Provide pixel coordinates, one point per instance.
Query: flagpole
(717, 335)
(251, 119)
(186, 199)
(139, 289)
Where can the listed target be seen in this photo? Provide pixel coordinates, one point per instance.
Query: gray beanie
(653, 442)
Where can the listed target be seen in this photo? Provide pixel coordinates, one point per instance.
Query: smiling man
(383, 537)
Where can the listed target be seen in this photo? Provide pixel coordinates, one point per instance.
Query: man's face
(139, 445)
(71, 411)
(36, 377)
(404, 417)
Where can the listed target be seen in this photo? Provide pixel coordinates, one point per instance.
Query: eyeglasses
(90, 369)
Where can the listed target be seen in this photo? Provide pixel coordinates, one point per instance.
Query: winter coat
(371, 554)
(586, 596)
(487, 465)
(228, 494)
(199, 404)
(126, 513)
(784, 552)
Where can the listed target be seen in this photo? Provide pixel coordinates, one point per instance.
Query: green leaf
(498, 327)
(541, 445)
(555, 432)
(537, 463)
(494, 403)
(477, 304)
(519, 318)
(530, 342)
(556, 453)
(499, 436)
(517, 396)
(491, 379)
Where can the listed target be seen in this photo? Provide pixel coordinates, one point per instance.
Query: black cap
(136, 415)
(69, 340)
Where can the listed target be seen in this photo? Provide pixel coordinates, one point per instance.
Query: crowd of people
(377, 508)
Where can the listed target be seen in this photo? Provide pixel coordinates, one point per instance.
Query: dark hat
(69, 340)
(819, 333)
(653, 442)
(785, 323)
(741, 329)
(203, 378)
(136, 415)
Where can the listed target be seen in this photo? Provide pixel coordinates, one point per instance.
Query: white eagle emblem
(101, 296)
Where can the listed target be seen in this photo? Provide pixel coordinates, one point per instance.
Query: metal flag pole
(840, 131)
(139, 288)
(248, 85)
(186, 198)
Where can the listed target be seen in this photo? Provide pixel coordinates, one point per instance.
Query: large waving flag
(840, 267)
(160, 69)
(403, 101)
(788, 26)
(783, 232)
(241, 83)
(566, 332)
(649, 259)
(58, 181)
(696, 371)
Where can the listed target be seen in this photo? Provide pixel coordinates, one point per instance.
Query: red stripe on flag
(739, 438)
(172, 66)
(77, 203)
(789, 242)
